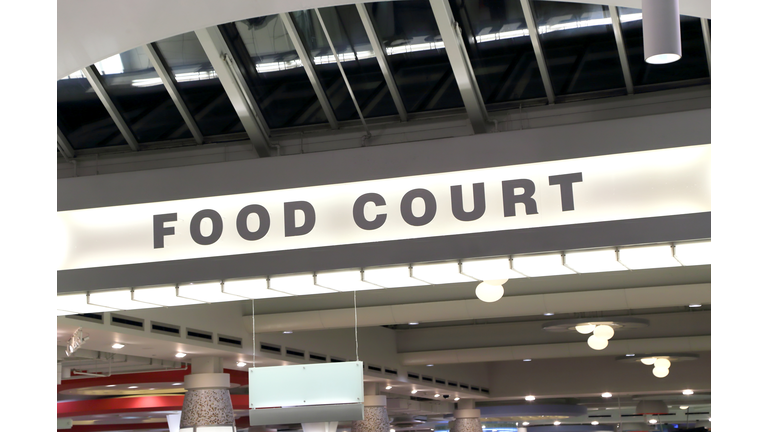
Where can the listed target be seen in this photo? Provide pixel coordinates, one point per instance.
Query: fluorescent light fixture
(646, 257)
(595, 423)
(629, 355)
(593, 261)
(440, 273)
(548, 313)
(288, 332)
(209, 292)
(695, 305)
(525, 423)
(526, 360)
(694, 253)
(241, 364)
(652, 421)
(541, 265)
(163, 296)
(251, 288)
(688, 392)
(117, 345)
(344, 280)
(413, 323)
(301, 284)
(391, 277)
(118, 299)
(489, 269)
(133, 387)
(78, 303)
(180, 355)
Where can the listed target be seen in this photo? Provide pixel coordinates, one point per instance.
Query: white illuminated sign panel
(603, 188)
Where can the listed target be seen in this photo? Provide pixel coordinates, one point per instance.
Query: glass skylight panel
(78, 303)
(344, 280)
(593, 261)
(489, 269)
(645, 257)
(391, 277)
(119, 299)
(303, 284)
(540, 265)
(163, 296)
(210, 292)
(694, 253)
(252, 288)
(440, 273)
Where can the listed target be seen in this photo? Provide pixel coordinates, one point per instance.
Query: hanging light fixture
(491, 290)
(661, 31)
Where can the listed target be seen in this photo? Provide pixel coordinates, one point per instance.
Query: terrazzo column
(207, 401)
(467, 418)
(375, 417)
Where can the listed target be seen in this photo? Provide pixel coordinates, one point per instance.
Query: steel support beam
(616, 23)
(533, 32)
(163, 71)
(309, 68)
(380, 54)
(94, 77)
(63, 143)
(462, 68)
(235, 87)
(707, 43)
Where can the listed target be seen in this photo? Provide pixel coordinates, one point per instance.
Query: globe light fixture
(489, 293)
(648, 361)
(597, 343)
(662, 363)
(660, 372)
(585, 328)
(604, 331)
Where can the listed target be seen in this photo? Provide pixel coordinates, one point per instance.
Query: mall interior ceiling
(310, 91)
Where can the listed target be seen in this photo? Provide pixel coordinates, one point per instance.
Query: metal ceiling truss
(622, 49)
(462, 68)
(309, 68)
(63, 143)
(381, 57)
(235, 87)
(707, 43)
(170, 85)
(533, 31)
(94, 77)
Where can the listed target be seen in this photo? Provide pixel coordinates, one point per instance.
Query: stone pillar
(375, 417)
(207, 401)
(467, 417)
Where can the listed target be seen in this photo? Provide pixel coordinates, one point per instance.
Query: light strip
(303, 284)
(541, 265)
(344, 280)
(440, 273)
(391, 277)
(647, 257)
(252, 288)
(119, 299)
(490, 269)
(163, 296)
(212, 292)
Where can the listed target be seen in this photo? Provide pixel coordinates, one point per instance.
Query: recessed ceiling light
(526, 359)
(456, 398)
(389, 387)
(607, 395)
(683, 407)
(525, 423)
(652, 421)
(694, 305)
(117, 345)
(177, 383)
(688, 392)
(437, 394)
(530, 398)
(549, 313)
(595, 423)
(414, 391)
(288, 332)
(152, 388)
(556, 423)
(630, 355)
(133, 387)
(180, 355)
(413, 323)
(430, 365)
(112, 385)
(241, 364)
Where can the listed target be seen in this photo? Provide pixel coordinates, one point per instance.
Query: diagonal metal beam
(94, 77)
(169, 81)
(63, 143)
(380, 54)
(616, 23)
(707, 43)
(533, 32)
(462, 68)
(235, 87)
(309, 68)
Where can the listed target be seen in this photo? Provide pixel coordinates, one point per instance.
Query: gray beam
(707, 43)
(94, 77)
(462, 68)
(63, 143)
(170, 85)
(380, 54)
(622, 49)
(533, 31)
(309, 68)
(235, 87)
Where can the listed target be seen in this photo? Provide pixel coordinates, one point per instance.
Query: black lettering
(160, 230)
(406, 207)
(457, 203)
(290, 209)
(194, 227)
(526, 198)
(358, 211)
(242, 222)
(566, 182)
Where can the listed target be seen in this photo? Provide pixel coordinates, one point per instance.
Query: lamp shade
(661, 31)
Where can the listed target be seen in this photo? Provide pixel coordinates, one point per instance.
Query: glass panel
(408, 32)
(693, 64)
(199, 86)
(579, 46)
(274, 72)
(500, 49)
(358, 60)
(140, 96)
(82, 117)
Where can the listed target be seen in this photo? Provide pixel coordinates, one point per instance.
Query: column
(207, 401)
(467, 417)
(375, 417)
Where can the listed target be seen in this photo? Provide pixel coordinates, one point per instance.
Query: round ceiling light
(688, 392)
(604, 331)
(683, 407)
(585, 328)
(557, 423)
(607, 395)
(662, 363)
(660, 372)
(489, 293)
(597, 343)
(241, 364)
(648, 361)
(530, 398)
(652, 421)
(525, 423)
(595, 423)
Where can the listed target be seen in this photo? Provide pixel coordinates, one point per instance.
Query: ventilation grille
(337, 360)
(318, 357)
(390, 371)
(128, 322)
(374, 368)
(166, 329)
(426, 378)
(452, 384)
(413, 375)
(199, 335)
(600, 416)
(90, 317)
(294, 352)
(440, 381)
(271, 348)
(230, 341)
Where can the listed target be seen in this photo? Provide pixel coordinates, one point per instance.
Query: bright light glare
(489, 269)
(391, 277)
(120, 299)
(556, 423)
(241, 364)
(440, 273)
(694, 253)
(607, 395)
(251, 288)
(683, 407)
(414, 391)
(530, 398)
(541, 265)
(180, 355)
(652, 421)
(593, 261)
(660, 372)
(344, 280)
(303, 284)
(163, 296)
(645, 257)
(595, 423)
(117, 345)
(688, 392)
(206, 292)
(389, 387)
(111, 65)
(525, 423)
(585, 328)
(78, 303)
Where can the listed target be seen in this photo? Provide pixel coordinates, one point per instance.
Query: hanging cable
(253, 327)
(357, 357)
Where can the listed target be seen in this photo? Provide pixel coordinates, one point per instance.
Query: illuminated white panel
(489, 269)
(119, 299)
(694, 253)
(391, 277)
(297, 285)
(163, 296)
(645, 257)
(252, 288)
(593, 261)
(303, 385)
(440, 273)
(78, 303)
(206, 292)
(541, 265)
(344, 280)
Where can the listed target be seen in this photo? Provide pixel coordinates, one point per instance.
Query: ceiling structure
(279, 92)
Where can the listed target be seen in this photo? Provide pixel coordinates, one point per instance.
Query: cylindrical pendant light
(661, 31)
